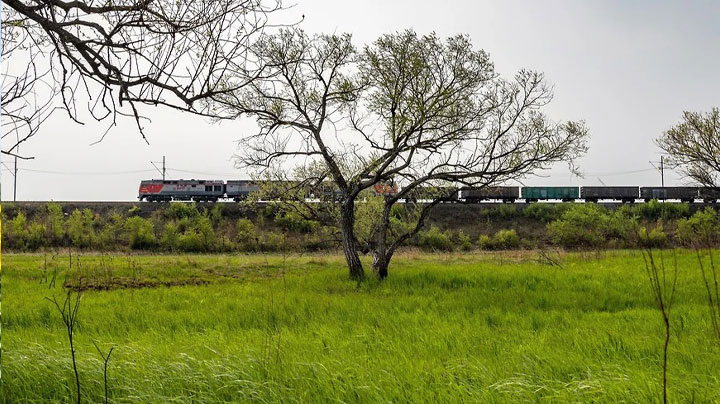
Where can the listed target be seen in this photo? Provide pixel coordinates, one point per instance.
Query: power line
(100, 173)
(159, 170)
(202, 173)
(85, 173)
(620, 172)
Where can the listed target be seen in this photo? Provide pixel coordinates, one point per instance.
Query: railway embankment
(244, 227)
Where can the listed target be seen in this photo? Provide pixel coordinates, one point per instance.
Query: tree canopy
(694, 146)
(413, 110)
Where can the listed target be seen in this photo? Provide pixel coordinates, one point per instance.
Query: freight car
(624, 194)
(475, 195)
(448, 194)
(326, 192)
(709, 195)
(683, 194)
(565, 194)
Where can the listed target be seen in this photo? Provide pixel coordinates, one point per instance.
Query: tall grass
(489, 327)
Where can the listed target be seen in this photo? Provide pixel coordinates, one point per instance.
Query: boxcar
(684, 194)
(506, 194)
(429, 193)
(708, 194)
(624, 194)
(326, 191)
(565, 194)
(181, 190)
(239, 190)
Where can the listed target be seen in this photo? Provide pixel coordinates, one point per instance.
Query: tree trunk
(347, 222)
(380, 264)
(381, 257)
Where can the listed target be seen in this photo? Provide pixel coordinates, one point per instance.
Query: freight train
(237, 190)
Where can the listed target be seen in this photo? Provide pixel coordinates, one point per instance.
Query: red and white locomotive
(181, 190)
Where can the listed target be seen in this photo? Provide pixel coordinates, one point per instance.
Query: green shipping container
(551, 193)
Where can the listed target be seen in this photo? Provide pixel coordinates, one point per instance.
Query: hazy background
(628, 69)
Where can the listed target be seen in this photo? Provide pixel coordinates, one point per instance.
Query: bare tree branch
(116, 56)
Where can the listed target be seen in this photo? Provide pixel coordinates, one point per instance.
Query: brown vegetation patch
(84, 284)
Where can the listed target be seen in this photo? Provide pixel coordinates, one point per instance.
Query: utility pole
(661, 169)
(15, 182)
(662, 172)
(159, 170)
(13, 172)
(164, 166)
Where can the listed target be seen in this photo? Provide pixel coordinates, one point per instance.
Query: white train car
(239, 190)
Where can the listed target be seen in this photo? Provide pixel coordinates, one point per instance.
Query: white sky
(628, 68)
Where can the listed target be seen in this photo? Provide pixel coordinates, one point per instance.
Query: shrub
(35, 236)
(204, 228)
(134, 211)
(321, 239)
(543, 212)
(184, 224)
(181, 210)
(654, 238)
(140, 233)
(80, 228)
(578, 227)
(246, 235)
(292, 221)
(269, 211)
(18, 234)
(194, 235)
(464, 241)
(55, 221)
(508, 211)
(435, 240)
(591, 225)
(9, 209)
(655, 210)
(619, 227)
(506, 239)
(272, 241)
(485, 242)
(701, 228)
(171, 236)
(191, 241)
(215, 214)
(111, 235)
(502, 240)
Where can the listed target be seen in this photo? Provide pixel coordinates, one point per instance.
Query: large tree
(417, 111)
(694, 146)
(100, 59)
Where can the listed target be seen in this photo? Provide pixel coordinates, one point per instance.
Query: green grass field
(501, 327)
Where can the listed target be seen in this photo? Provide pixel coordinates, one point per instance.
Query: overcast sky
(628, 68)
